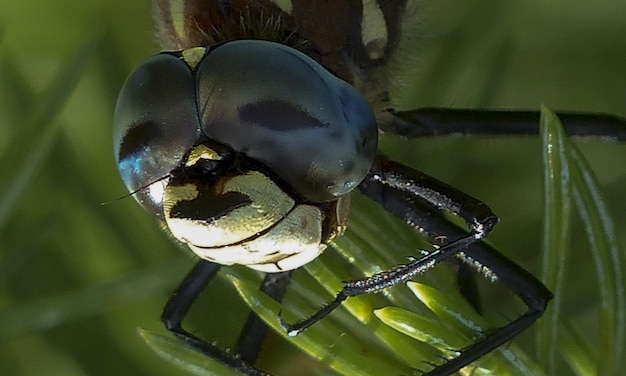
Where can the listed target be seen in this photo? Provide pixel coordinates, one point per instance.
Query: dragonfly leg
(178, 306)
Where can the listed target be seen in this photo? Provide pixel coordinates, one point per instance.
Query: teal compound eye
(155, 124)
(246, 150)
(264, 100)
(281, 108)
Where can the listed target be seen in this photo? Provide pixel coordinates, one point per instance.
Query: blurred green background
(77, 278)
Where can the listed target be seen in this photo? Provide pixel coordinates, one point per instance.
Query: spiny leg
(437, 121)
(529, 289)
(253, 333)
(178, 306)
(426, 191)
(433, 121)
(479, 255)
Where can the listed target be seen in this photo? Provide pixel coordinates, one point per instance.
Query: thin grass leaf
(462, 321)
(556, 230)
(63, 309)
(577, 351)
(452, 309)
(608, 262)
(42, 119)
(422, 329)
(184, 357)
(565, 162)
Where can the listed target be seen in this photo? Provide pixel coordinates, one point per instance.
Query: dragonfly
(248, 134)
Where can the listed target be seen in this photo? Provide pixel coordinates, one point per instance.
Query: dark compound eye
(209, 139)
(265, 100)
(155, 124)
(280, 107)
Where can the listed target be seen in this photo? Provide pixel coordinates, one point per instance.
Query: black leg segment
(178, 306)
(253, 333)
(433, 121)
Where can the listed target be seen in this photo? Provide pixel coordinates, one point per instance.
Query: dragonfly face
(227, 153)
(247, 150)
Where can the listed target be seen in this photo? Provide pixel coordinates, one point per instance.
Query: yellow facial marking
(185, 192)
(225, 212)
(291, 243)
(193, 56)
(284, 5)
(201, 152)
(374, 35)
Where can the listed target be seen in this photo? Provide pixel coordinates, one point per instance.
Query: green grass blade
(608, 261)
(566, 169)
(463, 323)
(65, 308)
(452, 309)
(577, 351)
(175, 352)
(422, 329)
(42, 120)
(556, 230)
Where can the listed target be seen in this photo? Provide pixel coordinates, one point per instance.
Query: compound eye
(280, 107)
(155, 123)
